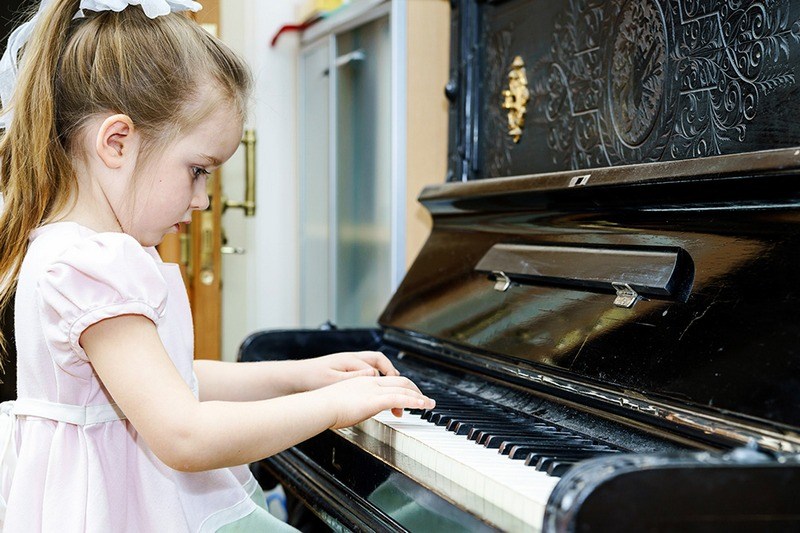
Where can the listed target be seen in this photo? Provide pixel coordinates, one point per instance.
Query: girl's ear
(116, 141)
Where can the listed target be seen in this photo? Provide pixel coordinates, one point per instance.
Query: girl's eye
(198, 172)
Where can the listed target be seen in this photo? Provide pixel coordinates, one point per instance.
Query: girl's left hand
(322, 371)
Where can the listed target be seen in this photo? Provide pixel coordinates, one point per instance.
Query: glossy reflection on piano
(607, 309)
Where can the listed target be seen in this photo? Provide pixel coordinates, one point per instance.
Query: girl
(118, 115)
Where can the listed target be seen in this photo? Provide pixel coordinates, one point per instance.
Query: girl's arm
(190, 435)
(244, 381)
(268, 379)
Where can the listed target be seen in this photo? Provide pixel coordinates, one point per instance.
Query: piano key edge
(506, 518)
(336, 482)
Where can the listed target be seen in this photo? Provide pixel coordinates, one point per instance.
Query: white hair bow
(9, 68)
(151, 8)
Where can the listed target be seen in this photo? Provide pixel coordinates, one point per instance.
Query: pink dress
(80, 465)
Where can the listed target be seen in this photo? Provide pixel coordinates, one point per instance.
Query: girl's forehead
(216, 137)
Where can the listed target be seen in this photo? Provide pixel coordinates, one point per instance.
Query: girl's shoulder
(69, 240)
(77, 277)
(68, 253)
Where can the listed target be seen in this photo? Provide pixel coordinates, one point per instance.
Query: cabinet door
(362, 271)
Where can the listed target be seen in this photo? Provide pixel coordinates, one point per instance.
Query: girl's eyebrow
(213, 161)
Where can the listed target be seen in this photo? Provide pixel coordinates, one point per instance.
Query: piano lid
(638, 243)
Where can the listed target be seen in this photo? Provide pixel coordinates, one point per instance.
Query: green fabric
(257, 521)
(393, 501)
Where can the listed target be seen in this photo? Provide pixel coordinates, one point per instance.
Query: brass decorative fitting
(516, 97)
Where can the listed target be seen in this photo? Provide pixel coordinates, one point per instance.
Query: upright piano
(607, 310)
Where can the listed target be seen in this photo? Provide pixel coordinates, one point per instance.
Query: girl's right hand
(357, 399)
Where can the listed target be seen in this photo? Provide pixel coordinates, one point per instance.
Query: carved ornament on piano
(629, 81)
(515, 98)
(636, 78)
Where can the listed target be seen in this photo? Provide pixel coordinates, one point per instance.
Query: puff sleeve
(100, 277)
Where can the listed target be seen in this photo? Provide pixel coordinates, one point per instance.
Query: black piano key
(495, 427)
(463, 427)
(494, 441)
(483, 435)
(545, 464)
(486, 418)
(533, 457)
(442, 403)
(558, 469)
(435, 413)
(580, 454)
(533, 441)
(496, 437)
(505, 434)
(481, 431)
(474, 427)
(507, 445)
(443, 419)
(460, 425)
(465, 407)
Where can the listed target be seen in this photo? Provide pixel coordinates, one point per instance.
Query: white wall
(260, 288)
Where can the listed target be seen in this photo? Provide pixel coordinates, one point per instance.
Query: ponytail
(35, 171)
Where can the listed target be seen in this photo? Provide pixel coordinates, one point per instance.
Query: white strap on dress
(79, 415)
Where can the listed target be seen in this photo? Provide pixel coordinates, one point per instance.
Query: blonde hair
(153, 70)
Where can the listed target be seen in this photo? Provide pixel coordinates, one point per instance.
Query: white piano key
(479, 479)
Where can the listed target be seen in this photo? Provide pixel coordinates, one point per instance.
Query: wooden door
(197, 248)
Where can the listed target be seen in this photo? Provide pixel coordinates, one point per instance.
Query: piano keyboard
(497, 464)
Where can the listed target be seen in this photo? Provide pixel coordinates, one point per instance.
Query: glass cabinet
(346, 174)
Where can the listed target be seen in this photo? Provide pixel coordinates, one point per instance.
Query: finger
(398, 381)
(354, 362)
(397, 412)
(381, 362)
(368, 371)
(414, 402)
(403, 396)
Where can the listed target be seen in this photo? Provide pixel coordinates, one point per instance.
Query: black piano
(608, 307)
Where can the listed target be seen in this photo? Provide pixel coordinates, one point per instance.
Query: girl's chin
(152, 239)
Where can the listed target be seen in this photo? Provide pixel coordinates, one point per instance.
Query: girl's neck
(89, 205)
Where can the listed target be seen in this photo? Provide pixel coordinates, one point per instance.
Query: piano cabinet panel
(616, 82)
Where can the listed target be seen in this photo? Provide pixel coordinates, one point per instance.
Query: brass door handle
(206, 247)
(249, 204)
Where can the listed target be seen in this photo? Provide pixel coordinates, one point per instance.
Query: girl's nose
(200, 199)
